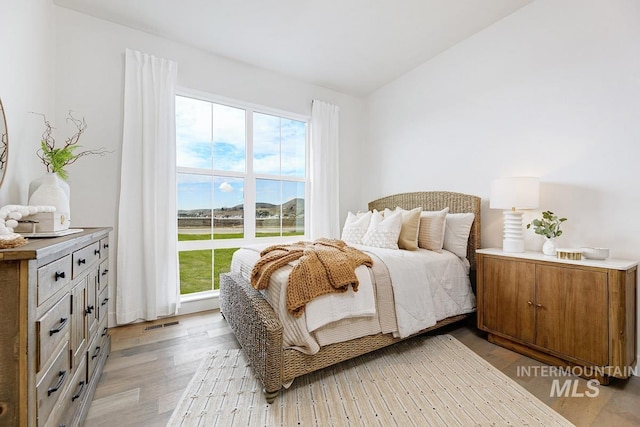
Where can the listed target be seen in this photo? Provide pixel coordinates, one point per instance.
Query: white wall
(553, 91)
(27, 75)
(550, 91)
(90, 67)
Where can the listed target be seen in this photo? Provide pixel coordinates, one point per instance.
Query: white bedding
(326, 308)
(427, 287)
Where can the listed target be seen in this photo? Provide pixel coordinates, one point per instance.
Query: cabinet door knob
(529, 303)
(539, 305)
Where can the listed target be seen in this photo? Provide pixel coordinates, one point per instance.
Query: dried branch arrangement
(56, 159)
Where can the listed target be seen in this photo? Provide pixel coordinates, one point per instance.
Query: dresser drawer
(52, 329)
(104, 248)
(103, 305)
(53, 385)
(103, 275)
(53, 277)
(84, 258)
(94, 354)
(69, 407)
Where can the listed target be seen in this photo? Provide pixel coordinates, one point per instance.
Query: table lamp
(512, 194)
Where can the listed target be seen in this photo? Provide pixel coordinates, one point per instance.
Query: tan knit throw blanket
(325, 266)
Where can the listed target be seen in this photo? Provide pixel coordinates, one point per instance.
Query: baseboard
(194, 305)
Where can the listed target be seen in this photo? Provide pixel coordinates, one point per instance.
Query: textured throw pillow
(355, 226)
(383, 232)
(410, 225)
(431, 233)
(456, 233)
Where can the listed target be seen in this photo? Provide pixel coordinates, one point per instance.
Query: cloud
(226, 187)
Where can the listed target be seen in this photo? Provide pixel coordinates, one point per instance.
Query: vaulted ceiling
(351, 46)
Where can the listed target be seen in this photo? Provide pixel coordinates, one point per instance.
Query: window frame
(249, 178)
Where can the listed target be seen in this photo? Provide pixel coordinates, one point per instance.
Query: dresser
(54, 339)
(577, 314)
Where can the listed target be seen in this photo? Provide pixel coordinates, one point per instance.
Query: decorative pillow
(431, 233)
(410, 225)
(383, 232)
(355, 226)
(456, 233)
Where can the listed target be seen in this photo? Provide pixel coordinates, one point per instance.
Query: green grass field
(196, 272)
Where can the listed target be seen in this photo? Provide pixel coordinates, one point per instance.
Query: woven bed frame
(259, 331)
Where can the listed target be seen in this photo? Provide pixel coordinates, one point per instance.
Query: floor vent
(171, 324)
(161, 325)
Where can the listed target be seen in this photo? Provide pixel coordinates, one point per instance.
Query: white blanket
(425, 286)
(332, 307)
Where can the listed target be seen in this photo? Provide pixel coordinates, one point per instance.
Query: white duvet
(427, 286)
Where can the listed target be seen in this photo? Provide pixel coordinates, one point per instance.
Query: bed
(260, 332)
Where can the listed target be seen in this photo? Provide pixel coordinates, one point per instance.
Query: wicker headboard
(435, 201)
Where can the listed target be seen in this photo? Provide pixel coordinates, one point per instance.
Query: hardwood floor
(148, 370)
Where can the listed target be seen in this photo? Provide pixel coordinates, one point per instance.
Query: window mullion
(250, 181)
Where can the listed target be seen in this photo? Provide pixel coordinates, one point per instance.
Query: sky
(213, 136)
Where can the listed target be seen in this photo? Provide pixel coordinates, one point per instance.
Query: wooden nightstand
(561, 312)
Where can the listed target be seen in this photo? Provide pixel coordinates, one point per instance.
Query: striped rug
(424, 381)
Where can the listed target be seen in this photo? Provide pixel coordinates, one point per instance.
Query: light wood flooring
(148, 370)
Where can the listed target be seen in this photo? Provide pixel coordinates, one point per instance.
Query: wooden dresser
(561, 312)
(53, 328)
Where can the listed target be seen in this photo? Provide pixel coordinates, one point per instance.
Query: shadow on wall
(587, 210)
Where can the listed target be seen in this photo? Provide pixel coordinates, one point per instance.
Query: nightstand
(562, 312)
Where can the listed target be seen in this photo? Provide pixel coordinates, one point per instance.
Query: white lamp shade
(515, 193)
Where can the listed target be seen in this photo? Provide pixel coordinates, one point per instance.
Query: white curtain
(324, 217)
(147, 262)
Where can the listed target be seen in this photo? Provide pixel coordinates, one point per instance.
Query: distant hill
(293, 207)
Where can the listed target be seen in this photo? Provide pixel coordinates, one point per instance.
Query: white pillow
(410, 226)
(456, 233)
(383, 232)
(431, 233)
(355, 226)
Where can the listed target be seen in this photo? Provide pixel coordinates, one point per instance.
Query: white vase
(549, 247)
(33, 185)
(50, 191)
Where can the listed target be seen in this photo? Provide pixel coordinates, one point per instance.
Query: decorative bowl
(595, 253)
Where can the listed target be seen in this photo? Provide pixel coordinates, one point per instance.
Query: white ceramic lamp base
(513, 240)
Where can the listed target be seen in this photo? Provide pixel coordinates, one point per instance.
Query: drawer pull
(79, 393)
(104, 301)
(106, 245)
(63, 323)
(82, 261)
(89, 309)
(96, 251)
(104, 332)
(61, 375)
(59, 275)
(96, 354)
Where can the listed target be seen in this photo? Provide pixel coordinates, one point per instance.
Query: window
(242, 178)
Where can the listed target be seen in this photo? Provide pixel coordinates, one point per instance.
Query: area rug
(422, 381)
